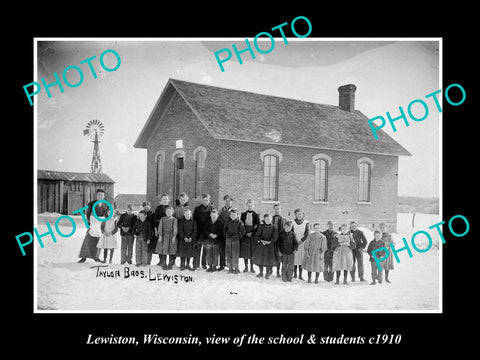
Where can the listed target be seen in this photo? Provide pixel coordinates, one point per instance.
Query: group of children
(207, 235)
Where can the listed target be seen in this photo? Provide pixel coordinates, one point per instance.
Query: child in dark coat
(233, 231)
(142, 229)
(330, 235)
(265, 251)
(251, 221)
(279, 221)
(287, 244)
(376, 243)
(212, 235)
(187, 235)
(125, 223)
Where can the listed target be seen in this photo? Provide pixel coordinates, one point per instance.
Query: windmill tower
(95, 131)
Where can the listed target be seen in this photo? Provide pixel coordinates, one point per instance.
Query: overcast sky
(388, 74)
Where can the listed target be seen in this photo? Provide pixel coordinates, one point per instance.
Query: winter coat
(143, 229)
(359, 238)
(330, 235)
(373, 245)
(186, 229)
(126, 221)
(266, 255)
(213, 228)
(224, 214)
(287, 242)
(233, 229)
(315, 246)
(201, 216)
(279, 221)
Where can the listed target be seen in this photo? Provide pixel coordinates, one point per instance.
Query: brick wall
(241, 175)
(235, 167)
(180, 123)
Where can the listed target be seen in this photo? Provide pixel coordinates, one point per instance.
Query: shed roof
(245, 116)
(131, 198)
(73, 176)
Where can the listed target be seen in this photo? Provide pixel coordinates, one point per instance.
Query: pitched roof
(245, 116)
(73, 176)
(130, 198)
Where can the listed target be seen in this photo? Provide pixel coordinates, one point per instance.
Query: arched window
(270, 177)
(365, 166)
(321, 171)
(199, 155)
(159, 181)
(271, 159)
(322, 163)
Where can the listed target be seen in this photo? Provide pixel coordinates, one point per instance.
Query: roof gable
(245, 116)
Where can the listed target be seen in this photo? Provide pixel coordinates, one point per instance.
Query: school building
(322, 158)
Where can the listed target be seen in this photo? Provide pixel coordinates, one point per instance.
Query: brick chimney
(346, 98)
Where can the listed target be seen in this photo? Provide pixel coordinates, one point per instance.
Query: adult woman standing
(90, 241)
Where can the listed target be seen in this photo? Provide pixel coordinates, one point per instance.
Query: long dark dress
(186, 229)
(90, 241)
(266, 255)
(251, 221)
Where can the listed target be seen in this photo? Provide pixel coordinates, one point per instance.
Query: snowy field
(67, 286)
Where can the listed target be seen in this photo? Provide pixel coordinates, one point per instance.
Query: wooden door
(74, 201)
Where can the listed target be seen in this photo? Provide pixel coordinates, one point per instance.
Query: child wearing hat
(233, 231)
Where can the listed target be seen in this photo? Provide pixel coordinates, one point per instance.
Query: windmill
(95, 130)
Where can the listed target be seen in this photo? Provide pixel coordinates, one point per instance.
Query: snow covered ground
(65, 285)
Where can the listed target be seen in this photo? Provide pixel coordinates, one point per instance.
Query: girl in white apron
(301, 228)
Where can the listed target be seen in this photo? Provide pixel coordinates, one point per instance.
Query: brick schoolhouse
(322, 158)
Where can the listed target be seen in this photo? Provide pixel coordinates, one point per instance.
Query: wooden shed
(65, 192)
